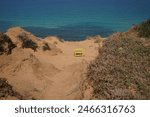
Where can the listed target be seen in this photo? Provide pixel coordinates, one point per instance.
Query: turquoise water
(73, 19)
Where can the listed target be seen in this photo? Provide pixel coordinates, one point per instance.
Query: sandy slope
(66, 83)
(46, 75)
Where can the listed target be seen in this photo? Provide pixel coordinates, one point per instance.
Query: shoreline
(72, 33)
(69, 33)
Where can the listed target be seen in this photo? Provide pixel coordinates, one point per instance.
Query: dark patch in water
(72, 32)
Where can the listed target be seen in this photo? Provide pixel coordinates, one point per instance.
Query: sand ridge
(49, 74)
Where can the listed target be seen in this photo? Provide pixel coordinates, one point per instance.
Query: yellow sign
(79, 52)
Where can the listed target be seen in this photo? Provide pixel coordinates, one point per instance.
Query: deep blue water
(73, 19)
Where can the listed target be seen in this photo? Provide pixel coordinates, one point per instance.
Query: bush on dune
(46, 47)
(6, 90)
(6, 45)
(144, 29)
(121, 70)
(27, 43)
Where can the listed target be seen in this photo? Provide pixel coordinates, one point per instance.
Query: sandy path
(67, 57)
(66, 84)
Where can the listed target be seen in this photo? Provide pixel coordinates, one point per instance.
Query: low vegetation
(27, 43)
(144, 29)
(6, 45)
(7, 91)
(46, 47)
(121, 70)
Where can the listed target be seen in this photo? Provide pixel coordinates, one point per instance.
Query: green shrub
(121, 69)
(46, 47)
(27, 43)
(6, 45)
(144, 29)
(6, 90)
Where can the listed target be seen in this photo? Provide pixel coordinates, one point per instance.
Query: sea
(73, 20)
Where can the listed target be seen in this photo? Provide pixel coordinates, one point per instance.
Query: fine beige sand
(54, 74)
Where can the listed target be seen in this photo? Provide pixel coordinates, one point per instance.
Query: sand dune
(52, 74)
